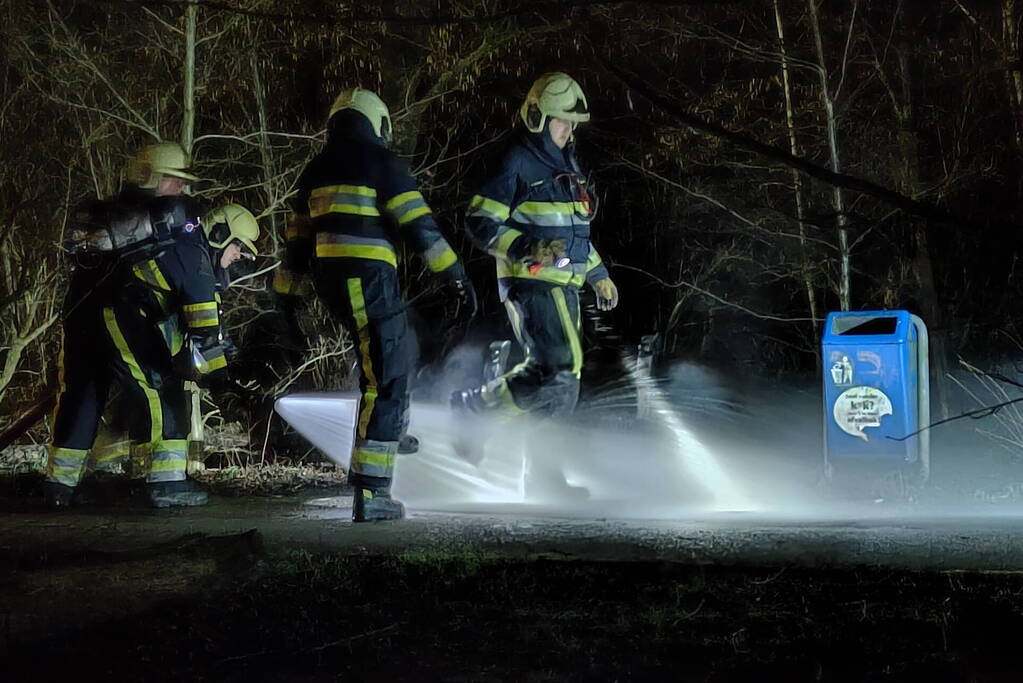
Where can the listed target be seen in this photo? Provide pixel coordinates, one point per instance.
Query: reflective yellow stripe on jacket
(330, 245)
(149, 272)
(353, 200)
(407, 206)
(574, 275)
(550, 214)
(205, 314)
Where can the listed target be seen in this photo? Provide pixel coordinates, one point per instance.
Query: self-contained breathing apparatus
(116, 232)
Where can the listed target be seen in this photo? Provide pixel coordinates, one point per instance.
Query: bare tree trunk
(909, 182)
(265, 155)
(838, 199)
(1014, 72)
(188, 78)
(797, 179)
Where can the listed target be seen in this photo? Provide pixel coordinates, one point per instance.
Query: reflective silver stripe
(169, 464)
(65, 465)
(439, 256)
(374, 458)
(550, 214)
(340, 238)
(546, 219)
(359, 200)
(574, 275)
(408, 206)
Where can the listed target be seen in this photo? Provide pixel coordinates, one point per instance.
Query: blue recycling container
(871, 367)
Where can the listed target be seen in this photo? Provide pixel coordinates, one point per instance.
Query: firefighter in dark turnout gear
(533, 216)
(143, 293)
(231, 232)
(355, 200)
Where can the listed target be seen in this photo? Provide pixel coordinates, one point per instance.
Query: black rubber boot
(375, 505)
(102, 488)
(408, 445)
(165, 494)
(57, 496)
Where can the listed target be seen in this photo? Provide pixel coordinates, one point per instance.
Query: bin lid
(868, 327)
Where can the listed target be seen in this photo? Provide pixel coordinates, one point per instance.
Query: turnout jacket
(355, 200)
(171, 282)
(538, 193)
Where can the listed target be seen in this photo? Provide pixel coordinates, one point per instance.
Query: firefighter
(533, 216)
(143, 291)
(355, 199)
(231, 232)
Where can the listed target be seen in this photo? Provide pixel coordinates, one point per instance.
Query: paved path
(914, 538)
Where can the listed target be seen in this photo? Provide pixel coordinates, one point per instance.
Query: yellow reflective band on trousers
(369, 396)
(571, 331)
(484, 207)
(169, 460)
(65, 465)
(407, 206)
(152, 397)
(336, 245)
(205, 314)
(440, 256)
(150, 273)
(354, 200)
(374, 458)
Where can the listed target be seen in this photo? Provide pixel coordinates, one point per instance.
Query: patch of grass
(433, 614)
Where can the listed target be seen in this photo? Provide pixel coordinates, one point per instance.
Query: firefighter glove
(465, 294)
(607, 294)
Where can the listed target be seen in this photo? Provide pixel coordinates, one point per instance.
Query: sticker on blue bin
(861, 407)
(842, 372)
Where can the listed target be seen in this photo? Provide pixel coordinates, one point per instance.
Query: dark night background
(746, 154)
(716, 244)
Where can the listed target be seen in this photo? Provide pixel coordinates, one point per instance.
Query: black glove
(465, 294)
(231, 351)
(216, 381)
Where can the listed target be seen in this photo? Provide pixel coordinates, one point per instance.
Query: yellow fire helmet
(369, 105)
(153, 161)
(231, 222)
(557, 95)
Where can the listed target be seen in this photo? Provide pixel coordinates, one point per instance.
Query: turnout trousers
(546, 320)
(365, 297)
(119, 344)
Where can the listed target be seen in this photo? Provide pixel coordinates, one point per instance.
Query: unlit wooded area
(758, 164)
